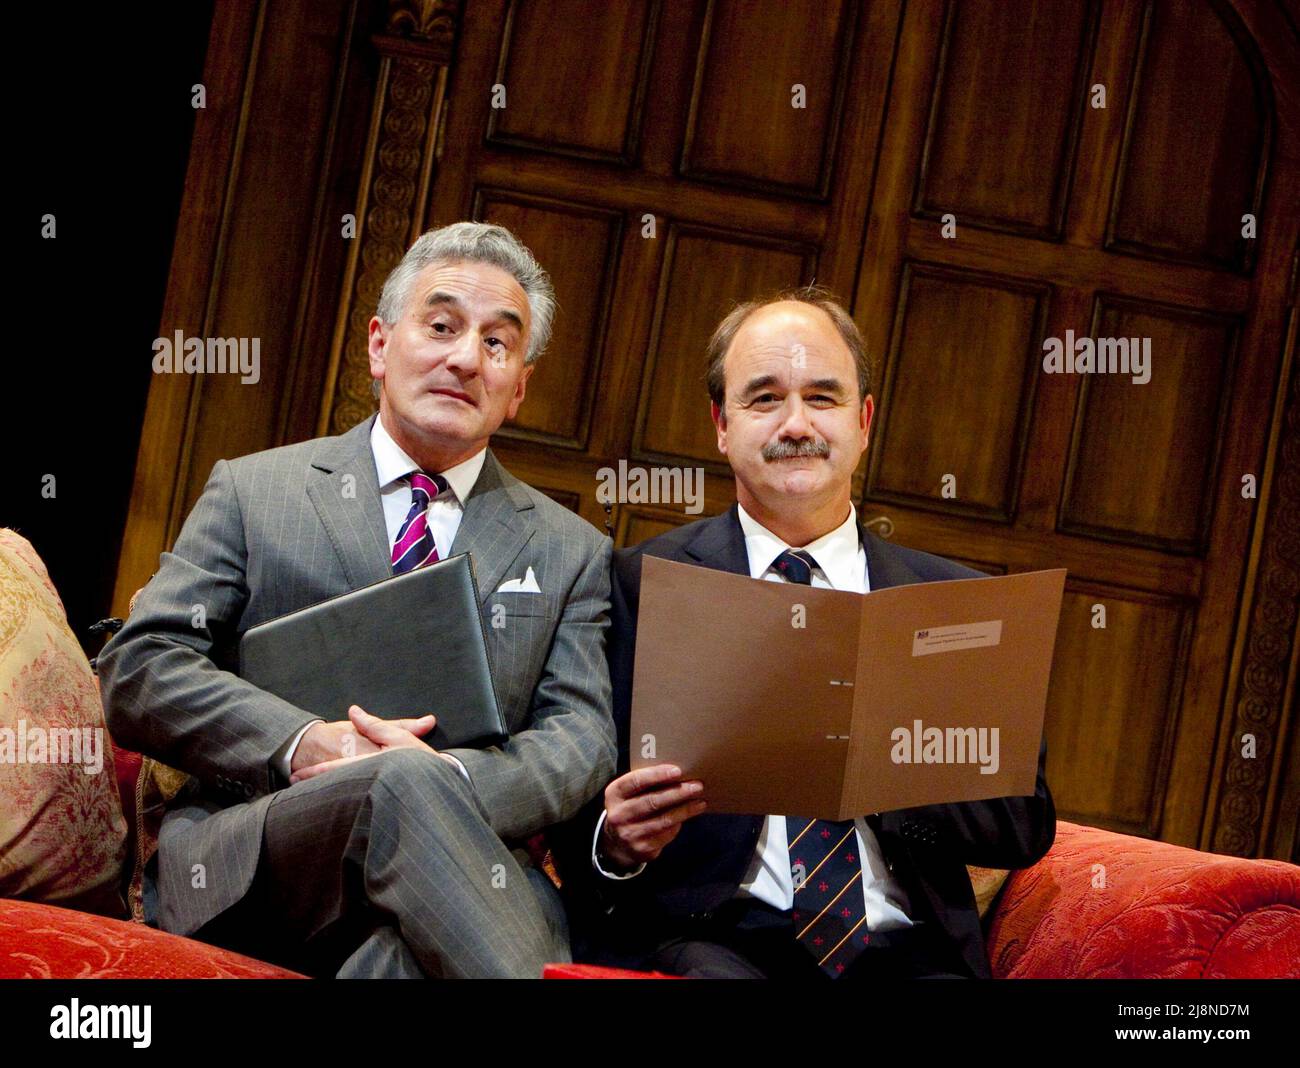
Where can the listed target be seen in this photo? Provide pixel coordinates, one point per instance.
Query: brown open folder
(823, 703)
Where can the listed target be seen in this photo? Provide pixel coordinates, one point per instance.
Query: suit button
(248, 790)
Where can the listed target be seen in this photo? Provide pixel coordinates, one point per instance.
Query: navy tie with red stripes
(829, 911)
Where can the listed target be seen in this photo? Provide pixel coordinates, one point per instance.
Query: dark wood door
(975, 178)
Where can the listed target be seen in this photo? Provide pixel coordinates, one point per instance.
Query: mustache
(785, 449)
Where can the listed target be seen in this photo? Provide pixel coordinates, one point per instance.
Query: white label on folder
(965, 636)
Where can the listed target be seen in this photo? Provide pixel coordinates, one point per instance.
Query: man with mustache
(352, 847)
(655, 881)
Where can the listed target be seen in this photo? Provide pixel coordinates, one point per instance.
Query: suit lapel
(720, 543)
(496, 526)
(345, 493)
(344, 490)
(885, 565)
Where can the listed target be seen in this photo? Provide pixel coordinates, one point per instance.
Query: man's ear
(719, 417)
(518, 398)
(376, 343)
(864, 419)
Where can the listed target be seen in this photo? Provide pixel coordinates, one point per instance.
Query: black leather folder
(402, 647)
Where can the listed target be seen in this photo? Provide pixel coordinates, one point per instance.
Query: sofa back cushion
(62, 830)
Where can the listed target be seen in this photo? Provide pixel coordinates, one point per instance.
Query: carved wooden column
(1245, 815)
(401, 152)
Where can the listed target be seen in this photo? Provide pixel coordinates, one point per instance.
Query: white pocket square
(527, 584)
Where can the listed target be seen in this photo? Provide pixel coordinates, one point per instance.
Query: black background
(103, 118)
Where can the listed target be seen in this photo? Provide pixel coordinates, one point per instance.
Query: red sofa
(1151, 910)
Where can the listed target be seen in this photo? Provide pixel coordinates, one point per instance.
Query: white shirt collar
(838, 553)
(392, 463)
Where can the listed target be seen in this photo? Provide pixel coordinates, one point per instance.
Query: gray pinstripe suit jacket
(282, 529)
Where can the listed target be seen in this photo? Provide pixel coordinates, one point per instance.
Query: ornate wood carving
(1262, 691)
(431, 21)
(415, 52)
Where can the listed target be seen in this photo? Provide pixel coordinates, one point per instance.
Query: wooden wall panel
(1011, 78)
(1165, 517)
(704, 270)
(961, 376)
(1143, 461)
(635, 523)
(1193, 161)
(295, 98)
(574, 93)
(1113, 705)
(581, 245)
(249, 260)
(744, 128)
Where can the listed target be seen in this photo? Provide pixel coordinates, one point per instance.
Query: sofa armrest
(47, 942)
(1107, 905)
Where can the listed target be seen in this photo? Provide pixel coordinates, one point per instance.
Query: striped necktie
(829, 912)
(414, 546)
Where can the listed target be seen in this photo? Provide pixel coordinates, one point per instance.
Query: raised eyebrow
(761, 382)
(506, 315)
(437, 297)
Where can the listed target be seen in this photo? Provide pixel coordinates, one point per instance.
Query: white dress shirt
(841, 565)
(392, 465)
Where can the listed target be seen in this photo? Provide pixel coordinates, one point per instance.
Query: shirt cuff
(595, 863)
(284, 762)
(448, 756)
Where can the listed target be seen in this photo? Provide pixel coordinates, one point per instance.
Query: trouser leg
(397, 840)
(383, 955)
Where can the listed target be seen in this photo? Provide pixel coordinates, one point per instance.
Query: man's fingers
(646, 806)
(312, 770)
(645, 841)
(634, 833)
(382, 731)
(418, 726)
(635, 782)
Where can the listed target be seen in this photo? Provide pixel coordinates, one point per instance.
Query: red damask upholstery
(595, 971)
(1106, 905)
(1151, 910)
(126, 764)
(47, 942)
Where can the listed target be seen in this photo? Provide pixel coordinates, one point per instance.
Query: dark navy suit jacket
(927, 848)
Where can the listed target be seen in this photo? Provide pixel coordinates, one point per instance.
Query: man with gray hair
(353, 848)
